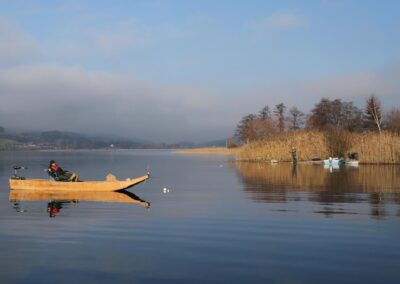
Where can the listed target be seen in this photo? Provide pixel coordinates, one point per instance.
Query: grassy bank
(373, 148)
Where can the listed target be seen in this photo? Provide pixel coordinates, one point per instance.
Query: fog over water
(166, 71)
(47, 97)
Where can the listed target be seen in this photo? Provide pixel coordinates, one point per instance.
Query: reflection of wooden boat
(74, 196)
(110, 184)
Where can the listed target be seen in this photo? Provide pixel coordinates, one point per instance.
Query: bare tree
(280, 115)
(245, 129)
(329, 114)
(351, 117)
(254, 127)
(373, 113)
(295, 118)
(230, 142)
(264, 127)
(265, 113)
(319, 116)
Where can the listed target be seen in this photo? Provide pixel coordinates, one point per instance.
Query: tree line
(324, 116)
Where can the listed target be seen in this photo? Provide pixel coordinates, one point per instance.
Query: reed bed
(377, 148)
(309, 144)
(373, 148)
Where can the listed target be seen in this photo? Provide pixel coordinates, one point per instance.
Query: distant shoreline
(84, 149)
(313, 147)
(373, 148)
(208, 151)
(103, 149)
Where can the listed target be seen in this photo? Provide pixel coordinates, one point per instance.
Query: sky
(186, 70)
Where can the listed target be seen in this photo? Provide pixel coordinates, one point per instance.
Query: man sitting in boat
(58, 174)
(353, 155)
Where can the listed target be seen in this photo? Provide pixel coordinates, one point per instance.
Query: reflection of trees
(276, 183)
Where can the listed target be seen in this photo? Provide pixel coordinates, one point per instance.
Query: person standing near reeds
(293, 152)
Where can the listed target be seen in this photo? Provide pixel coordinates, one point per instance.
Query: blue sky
(202, 65)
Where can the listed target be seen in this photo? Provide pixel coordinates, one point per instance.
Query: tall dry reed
(309, 144)
(372, 147)
(377, 148)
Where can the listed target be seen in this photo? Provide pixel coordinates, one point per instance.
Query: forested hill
(69, 140)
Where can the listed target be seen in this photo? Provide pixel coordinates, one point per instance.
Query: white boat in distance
(333, 162)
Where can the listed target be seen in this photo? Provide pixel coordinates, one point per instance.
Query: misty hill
(214, 143)
(69, 140)
(188, 144)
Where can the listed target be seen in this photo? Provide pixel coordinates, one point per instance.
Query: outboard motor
(16, 169)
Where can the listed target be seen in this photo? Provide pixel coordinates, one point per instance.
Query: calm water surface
(220, 222)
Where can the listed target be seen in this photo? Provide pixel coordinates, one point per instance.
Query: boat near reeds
(333, 162)
(353, 163)
(110, 184)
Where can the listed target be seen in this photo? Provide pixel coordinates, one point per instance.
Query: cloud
(279, 22)
(121, 37)
(46, 97)
(15, 45)
(75, 99)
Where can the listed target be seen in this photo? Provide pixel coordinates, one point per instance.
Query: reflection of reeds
(376, 178)
(374, 148)
(304, 177)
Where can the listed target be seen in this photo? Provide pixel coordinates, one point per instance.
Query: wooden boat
(76, 196)
(110, 184)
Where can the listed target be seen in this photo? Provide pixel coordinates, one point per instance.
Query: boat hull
(352, 163)
(50, 185)
(333, 162)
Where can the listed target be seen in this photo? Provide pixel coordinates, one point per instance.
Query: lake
(211, 220)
